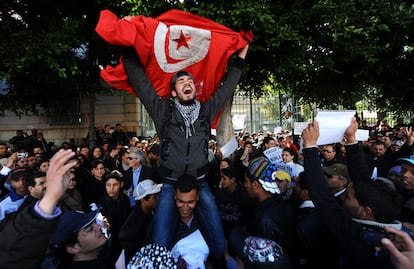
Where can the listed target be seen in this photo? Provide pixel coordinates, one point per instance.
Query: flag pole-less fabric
(176, 40)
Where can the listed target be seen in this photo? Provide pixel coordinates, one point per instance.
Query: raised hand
(57, 178)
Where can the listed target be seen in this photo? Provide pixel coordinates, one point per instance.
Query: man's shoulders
(275, 205)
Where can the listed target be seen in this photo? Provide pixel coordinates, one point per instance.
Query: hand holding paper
(332, 125)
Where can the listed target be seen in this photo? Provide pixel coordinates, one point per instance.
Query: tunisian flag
(174, 41)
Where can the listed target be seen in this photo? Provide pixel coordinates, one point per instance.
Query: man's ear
(72, 249)
(367, 212)
(174, 93)
(256, 185)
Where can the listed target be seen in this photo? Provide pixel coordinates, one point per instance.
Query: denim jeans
(208, 217)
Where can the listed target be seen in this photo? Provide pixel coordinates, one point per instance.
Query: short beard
(186, 103)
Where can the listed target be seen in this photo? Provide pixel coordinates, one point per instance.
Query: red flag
(174, 41)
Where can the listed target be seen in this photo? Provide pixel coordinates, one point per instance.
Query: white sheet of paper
(239, 122)
(229, 147)
(120, 263)
(362, 135)
(193, 249)
(299, 126)
(332, 125)
(277, 130)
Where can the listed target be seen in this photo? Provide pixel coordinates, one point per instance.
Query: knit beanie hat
(263, 171)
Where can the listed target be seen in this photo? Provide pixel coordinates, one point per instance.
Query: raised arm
(25, 238)
(228, 84)
(57, 177)
(357, 165)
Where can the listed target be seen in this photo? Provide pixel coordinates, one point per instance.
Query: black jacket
(135, 233)
(235, 208)
(275, 219)
(342, 228)
(24, 240)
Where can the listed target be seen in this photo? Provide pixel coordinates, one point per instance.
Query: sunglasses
(132, 158)
(329, 151)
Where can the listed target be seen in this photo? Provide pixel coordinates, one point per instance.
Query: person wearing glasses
(329, 155)
(337, 177)
(136, 172)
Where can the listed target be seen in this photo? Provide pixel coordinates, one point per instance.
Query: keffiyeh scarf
(190, 115)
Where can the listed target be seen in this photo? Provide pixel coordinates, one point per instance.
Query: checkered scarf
(190, 114)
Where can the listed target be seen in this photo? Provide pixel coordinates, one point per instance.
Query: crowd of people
(353, 200)
(176, 202)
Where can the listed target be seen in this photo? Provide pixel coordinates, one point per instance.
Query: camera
(22, 155)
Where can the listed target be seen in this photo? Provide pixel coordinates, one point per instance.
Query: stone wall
(123, 109)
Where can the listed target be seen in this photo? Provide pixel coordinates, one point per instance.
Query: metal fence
(269, 112)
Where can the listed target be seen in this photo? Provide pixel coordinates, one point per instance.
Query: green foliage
(325, 52)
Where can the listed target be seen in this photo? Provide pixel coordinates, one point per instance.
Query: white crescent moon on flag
(198, 46)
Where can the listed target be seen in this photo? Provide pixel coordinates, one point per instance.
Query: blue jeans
(208, 217)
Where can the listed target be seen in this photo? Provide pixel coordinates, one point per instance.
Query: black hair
(301, 181)
(155, 149)
(245, 137)
(91, 157)
(115, 174)
(380, 197)
(378, 142)
(111, 147)
(227, 160)
(30, 181)
(177, 75)
(229, 172)
(95, 163)
(265, 141)
(291, 152)
(187, 183)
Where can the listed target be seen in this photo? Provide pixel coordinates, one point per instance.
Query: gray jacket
(180, 155)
